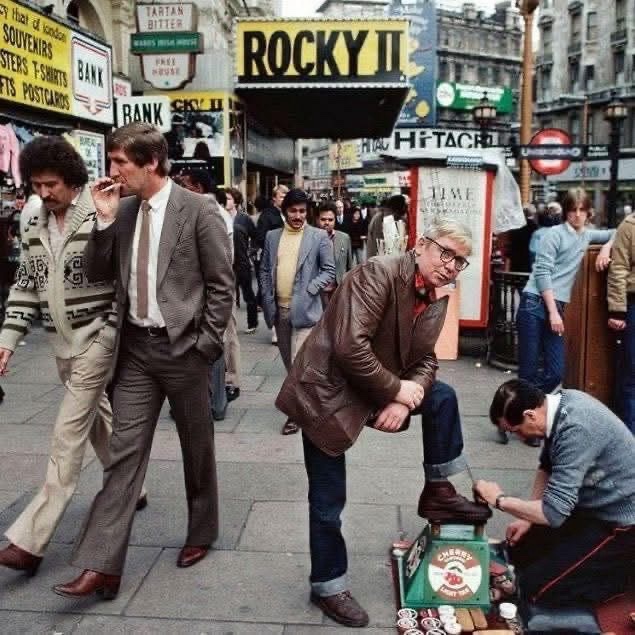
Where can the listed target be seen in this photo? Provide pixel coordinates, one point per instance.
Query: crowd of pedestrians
(148, 312)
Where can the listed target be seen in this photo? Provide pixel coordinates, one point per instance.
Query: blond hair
(453, 229)
(280, 189)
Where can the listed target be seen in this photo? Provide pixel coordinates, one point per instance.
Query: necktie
(143, 255)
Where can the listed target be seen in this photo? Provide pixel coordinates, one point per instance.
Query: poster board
(465, 195)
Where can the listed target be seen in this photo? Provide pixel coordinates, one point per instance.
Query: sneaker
(250, 330)
(342, 608)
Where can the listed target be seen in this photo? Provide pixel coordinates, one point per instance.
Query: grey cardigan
(590, 456)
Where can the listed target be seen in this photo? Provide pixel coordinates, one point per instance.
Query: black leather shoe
(232, 392)
(533, 442)
(219, 415)
(142, 502)
(440, 503)
(343, 608)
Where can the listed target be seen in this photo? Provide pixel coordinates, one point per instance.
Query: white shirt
(157, 203)
(553, 401)
(57, 236)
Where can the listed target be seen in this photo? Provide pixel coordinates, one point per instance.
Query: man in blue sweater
(574, 541)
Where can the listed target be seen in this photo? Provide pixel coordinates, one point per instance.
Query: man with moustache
(341, 247)
(80, 317)
(168, 253)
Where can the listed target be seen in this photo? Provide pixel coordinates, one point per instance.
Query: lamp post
(527, 8)
(615, 112)
(484, 114)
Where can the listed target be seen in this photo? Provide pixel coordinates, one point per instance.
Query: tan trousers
(232, 352)
(290, 340)
(84, 414)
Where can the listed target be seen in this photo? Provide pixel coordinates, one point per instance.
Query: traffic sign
(155, 43)
(154, 109)
(551, 137)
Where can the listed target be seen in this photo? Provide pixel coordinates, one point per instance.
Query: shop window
(576, 28)
(483, 75)
(618, 67)
(620, 15)
(589, 77)
(574, 128)
(546, 39)
(591, 26)
(574, 76)
(458, 72)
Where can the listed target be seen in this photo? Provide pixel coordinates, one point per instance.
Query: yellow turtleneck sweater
(287, 263)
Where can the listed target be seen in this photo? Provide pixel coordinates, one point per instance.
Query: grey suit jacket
(194, 272)
(343, 255)
(314, 271)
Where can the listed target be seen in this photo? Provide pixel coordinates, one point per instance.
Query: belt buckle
(154, 331)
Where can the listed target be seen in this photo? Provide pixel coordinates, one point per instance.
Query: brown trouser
(146, 373)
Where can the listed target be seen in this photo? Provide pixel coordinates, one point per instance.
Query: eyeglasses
(447, 256)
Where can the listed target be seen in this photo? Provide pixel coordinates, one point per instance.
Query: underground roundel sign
(455, 573)
(550, 137)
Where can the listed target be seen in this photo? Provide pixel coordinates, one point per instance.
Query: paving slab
(19, 410)
(259, 448)
(261, 420)
(26, 470)
(116, 625)
(34, 623)
(228, 586)
(8, 499)
(20, 591)
(284, 527)
(297, 629)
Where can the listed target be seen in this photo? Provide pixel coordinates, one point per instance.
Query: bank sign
(466, 96)
(45, 64)
(320, 52)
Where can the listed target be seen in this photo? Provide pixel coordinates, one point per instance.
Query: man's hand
(5, 354)
(516, 531)
(410, 394)
(106, 193)
(487, 491)
(392, 417)
(556, 323)
(604, 258)
(617, 325)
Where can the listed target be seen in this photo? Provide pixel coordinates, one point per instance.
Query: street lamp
(527, 8)
(484, 114)
(615, 112)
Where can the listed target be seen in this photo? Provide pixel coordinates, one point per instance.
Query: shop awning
(320, 78)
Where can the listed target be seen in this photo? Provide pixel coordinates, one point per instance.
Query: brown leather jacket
(367, 340)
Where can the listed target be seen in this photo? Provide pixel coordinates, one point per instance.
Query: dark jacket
(271, 218)
(244, 237)
(366, 342)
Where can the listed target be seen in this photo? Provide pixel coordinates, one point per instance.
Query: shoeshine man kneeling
(370, 360)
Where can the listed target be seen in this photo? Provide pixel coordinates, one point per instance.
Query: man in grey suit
(296, 266)
(341, 247)
(167, 251)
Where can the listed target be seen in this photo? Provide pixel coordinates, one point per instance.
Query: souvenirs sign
(334, 52)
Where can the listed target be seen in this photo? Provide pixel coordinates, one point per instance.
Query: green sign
(160, 42)
(466, 96)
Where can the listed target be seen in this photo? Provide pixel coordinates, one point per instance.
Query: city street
(256, 579)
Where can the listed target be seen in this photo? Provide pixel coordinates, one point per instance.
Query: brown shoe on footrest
(440, 503)
(20, 560)
(343, 608)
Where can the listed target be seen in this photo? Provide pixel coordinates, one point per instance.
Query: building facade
(586, 54)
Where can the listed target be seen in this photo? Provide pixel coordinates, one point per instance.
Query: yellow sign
(186, 101)
(345, 155)
(35, 59)
(321, 51)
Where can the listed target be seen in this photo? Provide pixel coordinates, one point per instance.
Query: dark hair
(512, 399)
(221, 197)
(329, 206)
(201, 151)
(200, 176)
(397, 204)
(261, 202)
(295, 197)
(236, 194)
(53, 154)
(142, 143)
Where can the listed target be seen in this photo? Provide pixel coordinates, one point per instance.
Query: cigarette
(110, 187)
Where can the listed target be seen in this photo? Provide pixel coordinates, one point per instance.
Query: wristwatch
(497, 504)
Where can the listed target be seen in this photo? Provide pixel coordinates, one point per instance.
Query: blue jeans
(626, 401)
(536, 342)
(443, 446)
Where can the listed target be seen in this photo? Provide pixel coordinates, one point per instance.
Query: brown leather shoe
(19, 559)
(290, 427)
(440, 503)
(190, 555)
(343, 608)
(89, 583)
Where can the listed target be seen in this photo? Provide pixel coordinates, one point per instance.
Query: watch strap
(498, 500)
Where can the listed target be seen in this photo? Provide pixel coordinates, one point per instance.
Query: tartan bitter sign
(161, 42)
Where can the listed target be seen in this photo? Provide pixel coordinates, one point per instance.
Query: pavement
(255, 581)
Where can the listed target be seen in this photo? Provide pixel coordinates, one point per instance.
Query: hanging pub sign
(270, 52)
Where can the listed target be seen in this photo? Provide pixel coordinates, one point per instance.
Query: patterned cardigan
(72, 309)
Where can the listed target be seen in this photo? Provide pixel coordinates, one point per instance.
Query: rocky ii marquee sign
(321, 52)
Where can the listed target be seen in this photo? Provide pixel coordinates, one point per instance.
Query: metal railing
(503, 336)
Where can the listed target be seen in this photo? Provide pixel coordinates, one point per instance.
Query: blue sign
(420, 106)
